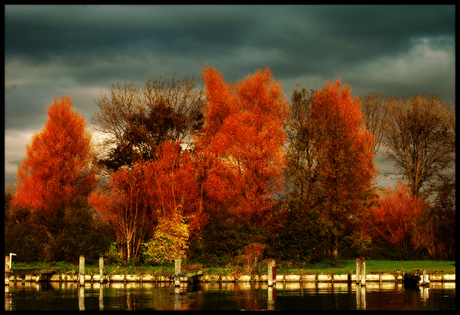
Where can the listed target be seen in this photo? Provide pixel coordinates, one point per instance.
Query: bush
(62, 236)
(82, 233)
(169, 242)
(113, 254)
(24, 236)
(223, 240)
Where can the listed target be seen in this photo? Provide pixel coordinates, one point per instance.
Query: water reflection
(227, 296)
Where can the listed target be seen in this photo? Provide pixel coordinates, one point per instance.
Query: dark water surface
(228, 296)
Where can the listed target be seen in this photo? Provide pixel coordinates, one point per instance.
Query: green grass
(344, 267)
(374, 267)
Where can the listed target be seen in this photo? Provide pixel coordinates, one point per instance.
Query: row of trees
(214, 172)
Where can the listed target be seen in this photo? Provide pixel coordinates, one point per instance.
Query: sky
(53, 51)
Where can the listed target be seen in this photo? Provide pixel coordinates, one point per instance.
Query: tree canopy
(58, 168)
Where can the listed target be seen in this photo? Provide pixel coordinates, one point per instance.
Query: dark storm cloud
(343, 36)
(82, 50)
(321, 34)
(69, 31)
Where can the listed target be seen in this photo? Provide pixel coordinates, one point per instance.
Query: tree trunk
(335, 247)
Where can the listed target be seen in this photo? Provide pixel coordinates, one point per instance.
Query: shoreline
(313, 278)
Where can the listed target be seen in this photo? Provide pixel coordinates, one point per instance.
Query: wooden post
(425, 280)
(7, 269)
(177, 271)
(82, 269)
(7, 263)
(101, 269)
(358, 270)
(271, 272)
(363, 271)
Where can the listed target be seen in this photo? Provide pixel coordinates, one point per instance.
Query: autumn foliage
(57, 169)
(232, 173)
(173, 187)
(240, 149)
(139, 197)
(344, 146)
(124, 203)
(341, 158)
(394, 216)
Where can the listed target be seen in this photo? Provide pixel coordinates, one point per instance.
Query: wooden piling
(177, 271)
(7, 263)
(271, 272)
(82, 270)
(425, 280)
(358, 270)
(101, 269)
(361, 271)
(7, 269)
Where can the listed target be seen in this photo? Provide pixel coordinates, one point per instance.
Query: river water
(228, 296)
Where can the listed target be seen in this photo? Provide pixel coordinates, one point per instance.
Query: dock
(29, 274)
(195, 276)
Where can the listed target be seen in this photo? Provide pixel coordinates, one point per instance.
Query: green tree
(63, 236)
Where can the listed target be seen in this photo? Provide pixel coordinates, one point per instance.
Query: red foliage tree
(240, 149)
(124, 203)
(138, 196)
(344, 158)
(172, 186)
(57, 169)
(392, 219)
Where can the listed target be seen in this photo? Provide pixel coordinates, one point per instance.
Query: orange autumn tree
(172, 185)
(174, 194)
(344, 159)
(57, 169)
(392, 219)
(148, 193)
(241, 147)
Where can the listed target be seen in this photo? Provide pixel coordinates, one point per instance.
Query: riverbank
(280, 278)
(344, 267)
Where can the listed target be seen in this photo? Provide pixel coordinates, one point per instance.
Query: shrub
(169, 242)
(251, 254)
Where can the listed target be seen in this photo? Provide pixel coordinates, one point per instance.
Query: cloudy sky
(82, 50)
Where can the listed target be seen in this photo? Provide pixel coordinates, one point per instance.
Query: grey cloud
(309, 39)
(82, 50)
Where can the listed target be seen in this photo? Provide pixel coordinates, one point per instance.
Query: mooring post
(271, 272)
(101, 269)
(363, 271)
(82, 269)
(358, 270)
(425, 280)
(7, 269)
(7, 263)
(177, 271)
